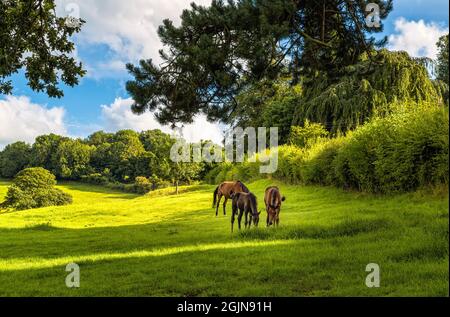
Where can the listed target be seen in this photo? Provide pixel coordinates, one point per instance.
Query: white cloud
(127, 28)
(22, 120)
(118, 116)
(416, 37)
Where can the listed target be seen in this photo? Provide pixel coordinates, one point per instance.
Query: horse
(244, 202)
(273, 199)
(225, 189)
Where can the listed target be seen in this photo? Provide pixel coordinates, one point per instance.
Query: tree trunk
(176, 187)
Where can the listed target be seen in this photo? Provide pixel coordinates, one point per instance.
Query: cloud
(129, 31)
(22, 120)
(118, 116)
(418, 38)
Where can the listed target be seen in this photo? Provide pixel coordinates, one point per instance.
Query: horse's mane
(243, 187)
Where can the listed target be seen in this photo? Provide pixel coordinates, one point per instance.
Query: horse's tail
(215, 196)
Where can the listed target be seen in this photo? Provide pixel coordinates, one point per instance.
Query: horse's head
(273, 212)
(255, 218)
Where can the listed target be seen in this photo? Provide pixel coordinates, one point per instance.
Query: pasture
(173, 245)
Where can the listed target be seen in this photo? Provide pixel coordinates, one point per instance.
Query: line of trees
(102, 157)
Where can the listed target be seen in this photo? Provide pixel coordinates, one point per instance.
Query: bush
(142, 185)
(95, 178)
(318, 166)
(34, 188)
(398, 153)
(307, 135)
(401, 152)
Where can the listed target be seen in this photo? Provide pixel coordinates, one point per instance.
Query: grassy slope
(174, 245)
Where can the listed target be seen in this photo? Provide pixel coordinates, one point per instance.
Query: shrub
(34, 188)
(318, 166)
(402, 152)
(307, 135)
(142, 185)
(95, 178)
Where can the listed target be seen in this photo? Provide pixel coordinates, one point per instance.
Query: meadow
(162, 244)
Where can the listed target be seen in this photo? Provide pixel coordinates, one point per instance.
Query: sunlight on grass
(39, 263)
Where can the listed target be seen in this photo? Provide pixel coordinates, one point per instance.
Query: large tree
(442, 59)
(35, 39)
(220, 50)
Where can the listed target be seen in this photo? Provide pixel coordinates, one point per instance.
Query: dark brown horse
(244, 203)
(273, 199)
(225, 189)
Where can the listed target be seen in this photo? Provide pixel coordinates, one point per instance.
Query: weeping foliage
(366, 90)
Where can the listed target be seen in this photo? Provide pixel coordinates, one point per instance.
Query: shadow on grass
(342, 229)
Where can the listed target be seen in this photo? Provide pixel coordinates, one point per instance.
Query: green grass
(130, 245)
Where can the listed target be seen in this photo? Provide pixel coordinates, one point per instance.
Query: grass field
(129, 245)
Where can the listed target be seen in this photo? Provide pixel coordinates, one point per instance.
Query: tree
(14, 158)
(71, 159)
(100, 137)
(218, 51)
(370, 88)
(44, 149)
(442, 59)
(307, 135)
(34, 188)
(125, 147)
(33, 38)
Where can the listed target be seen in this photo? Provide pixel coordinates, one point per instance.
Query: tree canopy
(34, 38)
(219, 50)
(442, 59)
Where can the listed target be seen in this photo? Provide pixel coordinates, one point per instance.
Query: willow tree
(221, 50)
(369, 88)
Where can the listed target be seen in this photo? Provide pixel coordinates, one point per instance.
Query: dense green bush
(401, 152)
(307, 135)
(318, 168)
(34, 188)
(95, 178)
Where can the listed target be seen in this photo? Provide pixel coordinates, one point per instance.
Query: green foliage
(401, 152)
(307, 135)
(442, 59)
(318, 167)
(142, 185)
(31, 28)
(14, 158)
(34, 188)
(72, 159)
(95, 178)
(364, 91)
(219, 51)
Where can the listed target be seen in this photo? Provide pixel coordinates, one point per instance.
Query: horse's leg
(245, 220)
(232, 218)
(278, 222)
(267, 220)
(218, 202)
(225, 205)
(249, 220)
(240, 218)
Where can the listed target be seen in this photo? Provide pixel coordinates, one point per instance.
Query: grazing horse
(244, 202)
(225, 189)
(273, 199)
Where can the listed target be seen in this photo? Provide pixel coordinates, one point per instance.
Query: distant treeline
(104, 158)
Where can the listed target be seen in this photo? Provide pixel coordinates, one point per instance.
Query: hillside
(131, 245)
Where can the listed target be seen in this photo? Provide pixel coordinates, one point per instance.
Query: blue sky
(118, 33)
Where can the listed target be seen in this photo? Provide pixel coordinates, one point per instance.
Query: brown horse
(244, 202)
(225, 189)
(273, 199)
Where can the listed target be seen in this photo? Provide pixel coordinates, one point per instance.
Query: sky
(117, 32)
